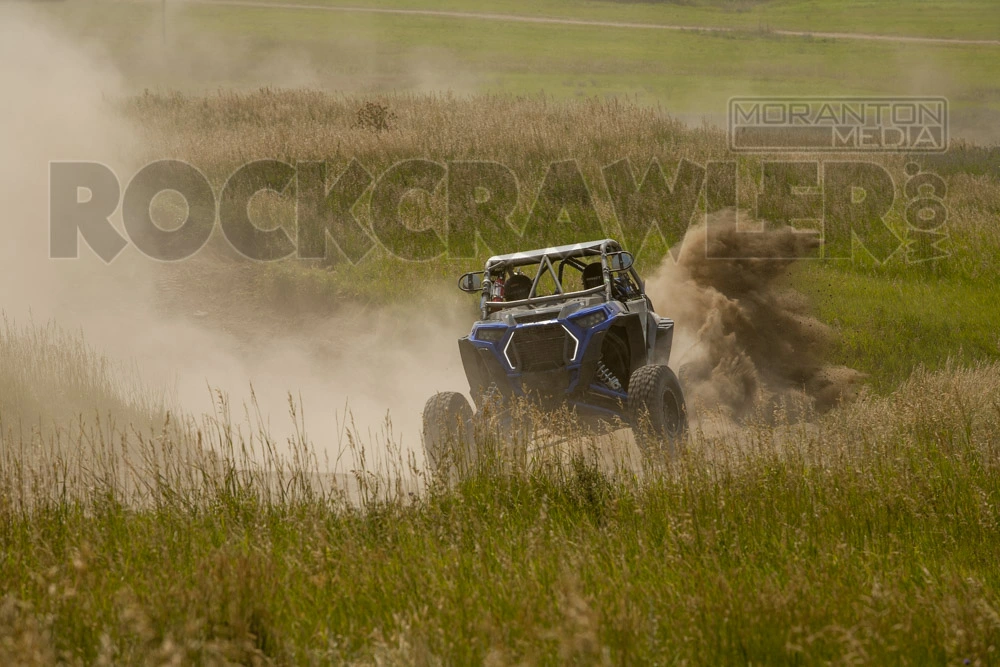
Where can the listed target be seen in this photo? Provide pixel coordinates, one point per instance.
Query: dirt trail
(544, 20)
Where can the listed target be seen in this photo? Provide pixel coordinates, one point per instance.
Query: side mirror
(471, 282)
(621, 261)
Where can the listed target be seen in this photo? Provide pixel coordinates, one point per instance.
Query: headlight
(590, 319)
(490, 334)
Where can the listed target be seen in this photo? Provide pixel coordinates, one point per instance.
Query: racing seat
(593, 276)
(517, 287)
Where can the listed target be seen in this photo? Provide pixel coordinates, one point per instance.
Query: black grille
(540, 348)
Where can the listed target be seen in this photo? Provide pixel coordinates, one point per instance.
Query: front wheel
(448, 433)
(656, 408)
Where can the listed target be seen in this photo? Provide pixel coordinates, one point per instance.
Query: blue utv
(565, 325)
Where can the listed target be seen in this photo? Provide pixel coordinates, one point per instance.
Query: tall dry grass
(218, 133)
(864, 535)
(50, 377)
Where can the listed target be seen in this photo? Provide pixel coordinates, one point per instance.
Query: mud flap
(664, 341)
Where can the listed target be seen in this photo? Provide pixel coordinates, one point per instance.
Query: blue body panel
(585, 330)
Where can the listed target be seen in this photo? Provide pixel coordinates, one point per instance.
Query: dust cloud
(745, 339)
(365, 364)
(742, 338)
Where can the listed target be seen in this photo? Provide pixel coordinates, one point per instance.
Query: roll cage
(501, 267)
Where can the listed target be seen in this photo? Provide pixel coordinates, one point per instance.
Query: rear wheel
(656, 408)
(448, 434)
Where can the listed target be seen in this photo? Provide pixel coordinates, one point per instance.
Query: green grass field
(865, 535)
(961, 19)
(685, 73)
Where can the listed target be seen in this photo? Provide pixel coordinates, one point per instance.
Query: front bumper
(550, 359)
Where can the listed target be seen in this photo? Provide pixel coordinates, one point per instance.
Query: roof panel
(555, 252)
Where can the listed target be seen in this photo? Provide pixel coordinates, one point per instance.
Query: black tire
(448, 433)
(656, 408)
